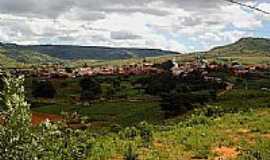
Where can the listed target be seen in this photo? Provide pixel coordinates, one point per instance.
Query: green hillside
(6, 61)
(69, 52)
(247, 50)
(244, 47)
(15, 57)
(34, 57)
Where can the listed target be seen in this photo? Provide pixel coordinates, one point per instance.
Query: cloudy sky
(179, 25)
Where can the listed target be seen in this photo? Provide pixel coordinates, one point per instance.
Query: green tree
(16, 137)
(175, 102)
(165, 65)
(90, 89)
(19, 140)
(43, 89)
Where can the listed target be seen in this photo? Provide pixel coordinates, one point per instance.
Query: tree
(175, 102)
(90, 89)
(165, 65)
(159, 84)
(43, 89)
(16, 137)
(19, 140)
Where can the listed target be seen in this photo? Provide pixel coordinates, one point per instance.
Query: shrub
(146, 133)
(130, 153)
(58, 142)
(129, 133)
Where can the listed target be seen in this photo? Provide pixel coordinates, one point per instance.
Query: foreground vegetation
(235, 126)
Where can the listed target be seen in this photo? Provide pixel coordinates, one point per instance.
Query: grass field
(245, 60)
(124, 113)
(233, 136)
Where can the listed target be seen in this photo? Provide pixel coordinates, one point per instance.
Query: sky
(177, 25)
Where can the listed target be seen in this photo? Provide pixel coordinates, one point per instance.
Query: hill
(249, 50)
(244, 47)
(12, 54)
(69, 52)
(5, 61)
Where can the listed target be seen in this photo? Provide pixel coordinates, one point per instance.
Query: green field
(120, 112)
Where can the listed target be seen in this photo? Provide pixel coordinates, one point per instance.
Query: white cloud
(120, 23)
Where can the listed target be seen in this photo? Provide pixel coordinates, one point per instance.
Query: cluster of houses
(204, 67)
(58, 71)
(146, 68)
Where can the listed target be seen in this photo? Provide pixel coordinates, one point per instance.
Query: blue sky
(177, 25)
(263, 31)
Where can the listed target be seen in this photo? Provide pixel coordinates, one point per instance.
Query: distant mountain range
(56, 53)
(33, 54)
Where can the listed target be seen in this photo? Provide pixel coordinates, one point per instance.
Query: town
(58, 71)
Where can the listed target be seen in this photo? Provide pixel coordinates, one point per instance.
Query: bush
(129, 133)
(130, 154)
(146, 133)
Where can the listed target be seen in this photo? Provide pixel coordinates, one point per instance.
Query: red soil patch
(226, 153)
(38, 118)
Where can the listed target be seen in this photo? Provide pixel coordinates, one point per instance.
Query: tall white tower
(175, 63)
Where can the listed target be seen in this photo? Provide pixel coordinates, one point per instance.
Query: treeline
(180, 94)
